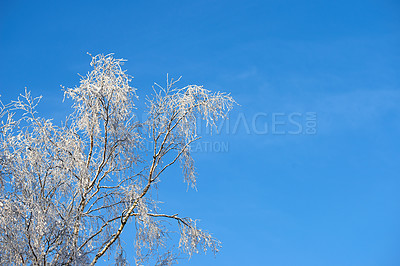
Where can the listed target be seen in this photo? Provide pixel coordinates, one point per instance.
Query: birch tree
(68, 191)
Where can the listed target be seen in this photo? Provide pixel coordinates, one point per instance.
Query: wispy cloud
(357, 109)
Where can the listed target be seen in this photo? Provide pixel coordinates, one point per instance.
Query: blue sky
(328, 197)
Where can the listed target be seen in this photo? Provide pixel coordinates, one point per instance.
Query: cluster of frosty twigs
(67, 192)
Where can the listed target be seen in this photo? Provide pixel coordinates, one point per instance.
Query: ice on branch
(68, 191)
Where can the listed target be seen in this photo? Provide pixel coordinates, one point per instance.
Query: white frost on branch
(67, 192)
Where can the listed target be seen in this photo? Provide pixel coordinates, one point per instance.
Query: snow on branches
(68, 191)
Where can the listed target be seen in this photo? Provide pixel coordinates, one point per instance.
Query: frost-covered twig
(68, 191)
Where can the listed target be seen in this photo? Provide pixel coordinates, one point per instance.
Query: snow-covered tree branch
(68, 191)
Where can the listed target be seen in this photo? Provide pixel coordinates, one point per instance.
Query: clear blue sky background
(329, 198)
